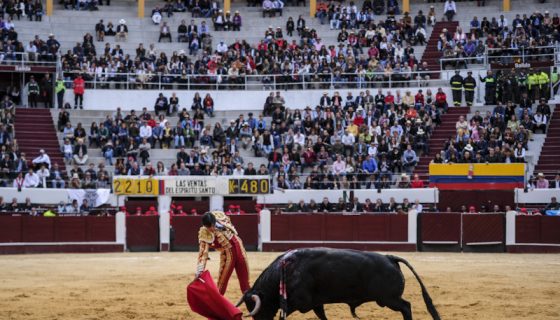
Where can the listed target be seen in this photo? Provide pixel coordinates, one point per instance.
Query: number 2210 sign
(123, 186)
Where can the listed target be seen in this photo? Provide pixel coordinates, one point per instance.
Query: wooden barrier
(484, 232)
(536, 234)
(142, 233)
(365, 232)
(27, 234)
(439, 231)
(185, 231)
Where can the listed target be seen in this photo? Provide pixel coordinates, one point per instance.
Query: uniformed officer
(544, 84)
(490, 86)
(60, 89)
(533, 86)
(457, 88)
(469, 84)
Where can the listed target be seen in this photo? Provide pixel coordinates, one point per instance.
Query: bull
(318, 276)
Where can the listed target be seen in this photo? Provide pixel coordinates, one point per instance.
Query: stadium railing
(159, 81)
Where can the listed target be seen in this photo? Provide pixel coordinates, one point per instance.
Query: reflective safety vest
(543, 78)
(60, 86)
(532, 80)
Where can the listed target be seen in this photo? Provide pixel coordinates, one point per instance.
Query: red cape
(205, 299)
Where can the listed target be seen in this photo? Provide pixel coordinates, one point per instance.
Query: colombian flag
(477, 176)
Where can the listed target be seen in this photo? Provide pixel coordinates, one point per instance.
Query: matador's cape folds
(205, 299)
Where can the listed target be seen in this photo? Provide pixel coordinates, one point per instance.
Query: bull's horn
(257, 300)
(239, 303)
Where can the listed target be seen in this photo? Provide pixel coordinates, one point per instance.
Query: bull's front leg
(320, 312)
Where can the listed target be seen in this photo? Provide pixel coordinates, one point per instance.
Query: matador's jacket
(224, 238)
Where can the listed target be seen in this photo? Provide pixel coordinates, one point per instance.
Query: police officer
(469, 83)
(521, 84)
(457, 88)
(533, 86)
(60, 90)
(490, 86)
(544, 84)
(32, 92)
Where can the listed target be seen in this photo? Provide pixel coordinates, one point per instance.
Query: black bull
(319, 276)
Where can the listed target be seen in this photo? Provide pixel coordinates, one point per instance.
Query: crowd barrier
(27, 234)
(280, 232)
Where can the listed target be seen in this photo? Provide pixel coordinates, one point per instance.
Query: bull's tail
(427, 299)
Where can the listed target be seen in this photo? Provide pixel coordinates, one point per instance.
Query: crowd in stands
(21, 9)
(499, 136)
(353, 205)
(71, 208)
(387, 43)
(531, 36)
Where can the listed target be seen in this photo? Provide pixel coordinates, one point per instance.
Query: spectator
(80, 153)
(542, 182)
(450, 9)
(165, 32)
(31, 180)
(121, 33)
(42, 160)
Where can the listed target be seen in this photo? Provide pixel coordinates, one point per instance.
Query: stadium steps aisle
(437, 140)
(35, 130)
(548, 160)
(431, 54)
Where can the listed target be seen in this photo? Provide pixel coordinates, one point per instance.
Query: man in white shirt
(222, 47)
(339, 166)
(42, 159)
(450, 9)
(540, 121)
(31, 51)
(43, 175)
(348, 141)
(146, 132)
(31, 180)
(238, 171)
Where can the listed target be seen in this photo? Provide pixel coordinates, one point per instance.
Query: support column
(506, 5)
(140, 8)
(264, 228)
(49, 6)
(164, 205)
(216, 203)
(406, 6)
(312, 8)
(227, 6)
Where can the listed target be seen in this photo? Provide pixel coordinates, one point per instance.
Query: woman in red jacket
(79, 89)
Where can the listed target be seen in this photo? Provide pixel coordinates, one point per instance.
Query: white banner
(95, 197)
(196, 186)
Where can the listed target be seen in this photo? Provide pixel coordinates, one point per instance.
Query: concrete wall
(42, 196)
(223, 100)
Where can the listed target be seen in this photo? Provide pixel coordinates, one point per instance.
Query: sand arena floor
(152, 286)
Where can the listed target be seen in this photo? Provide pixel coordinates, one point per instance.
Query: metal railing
(24, 60)
(505, 56)
(160, 81)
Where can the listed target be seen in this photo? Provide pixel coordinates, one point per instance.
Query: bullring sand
(152, 286)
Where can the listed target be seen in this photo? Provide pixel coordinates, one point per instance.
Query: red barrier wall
(440, 227)
(57, 234)
(481, 228)
(336, 227)
(456, 198)
(57, 229)
(537, 229)
(142, 233)
(186, 231)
